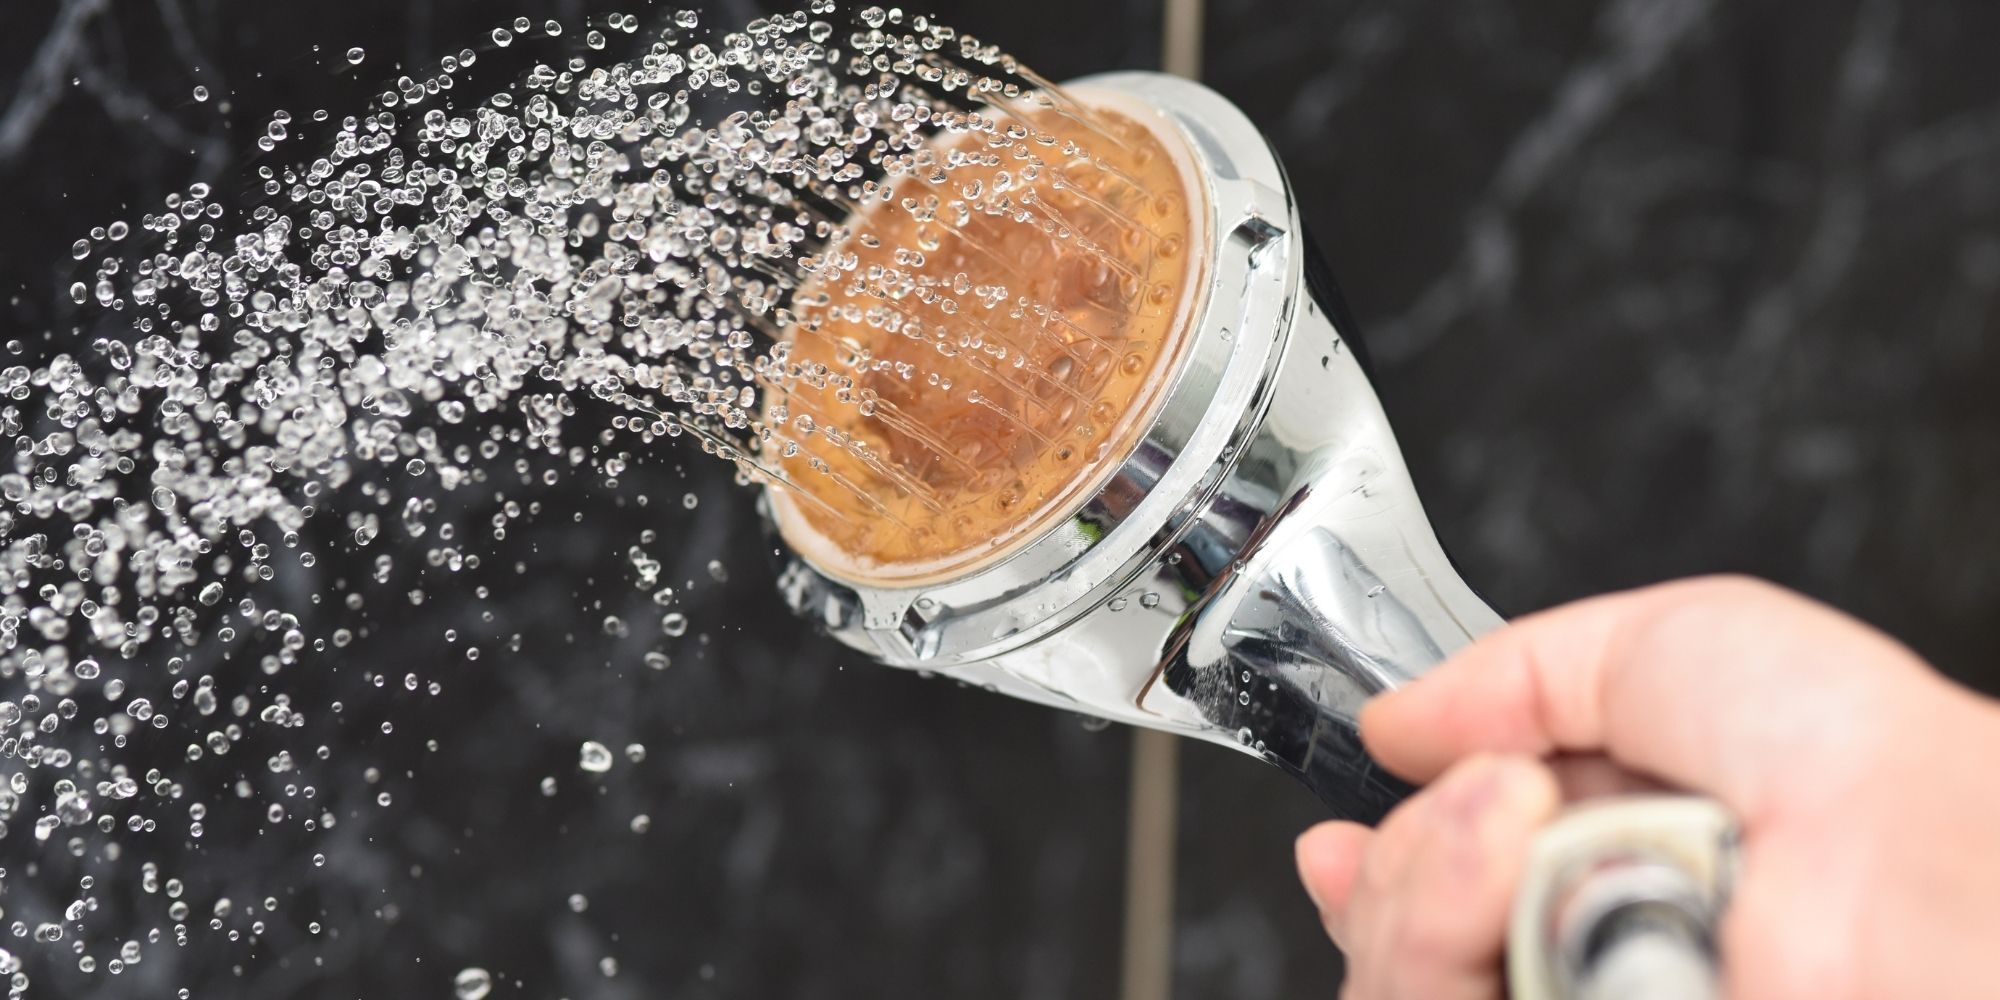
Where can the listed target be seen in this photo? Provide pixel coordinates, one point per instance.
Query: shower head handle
(1340, 590)
(1256, 564)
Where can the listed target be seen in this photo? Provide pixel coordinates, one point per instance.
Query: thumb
(1718, 684)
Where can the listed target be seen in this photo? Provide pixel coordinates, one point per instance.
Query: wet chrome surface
(1260, 563)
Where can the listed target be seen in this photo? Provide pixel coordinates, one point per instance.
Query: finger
(1708, 683)
(1373, 890)
(1329, 859)
(1439, 930)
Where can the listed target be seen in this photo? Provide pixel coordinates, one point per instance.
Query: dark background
(1654, 287)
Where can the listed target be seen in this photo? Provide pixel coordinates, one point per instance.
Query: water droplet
(281, 383)
(594, 757)
(355, 55)
(472, 983)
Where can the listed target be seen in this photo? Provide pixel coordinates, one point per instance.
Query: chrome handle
(1335, 589)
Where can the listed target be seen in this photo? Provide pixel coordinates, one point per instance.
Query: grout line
(1146, 970)
(1181, 37)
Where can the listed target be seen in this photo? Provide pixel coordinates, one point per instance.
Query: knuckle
(1709, 606)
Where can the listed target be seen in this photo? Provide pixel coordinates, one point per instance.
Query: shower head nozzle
(1241, 557)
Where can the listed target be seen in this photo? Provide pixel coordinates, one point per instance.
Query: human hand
(1863, 781)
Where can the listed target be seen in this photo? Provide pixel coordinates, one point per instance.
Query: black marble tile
(1655, 287)
(819, 827)
(1667, 288)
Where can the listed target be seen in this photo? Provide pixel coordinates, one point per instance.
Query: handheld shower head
(1248, 563)
(1241, 559)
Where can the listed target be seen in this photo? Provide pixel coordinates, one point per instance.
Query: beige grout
(1181, 37)
(1147, 968)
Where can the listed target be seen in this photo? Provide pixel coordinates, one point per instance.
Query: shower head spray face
(989, 335)
(1201, 525)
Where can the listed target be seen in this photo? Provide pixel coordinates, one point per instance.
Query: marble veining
(1654, 288)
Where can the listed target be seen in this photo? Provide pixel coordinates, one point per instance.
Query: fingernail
(1496, 792)
(1372, 708)
(1471, 789)
(1368, 709)
(1386, 701)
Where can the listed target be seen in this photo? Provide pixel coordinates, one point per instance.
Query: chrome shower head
(1255, 564)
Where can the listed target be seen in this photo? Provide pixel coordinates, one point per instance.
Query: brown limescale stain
(985, 345)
